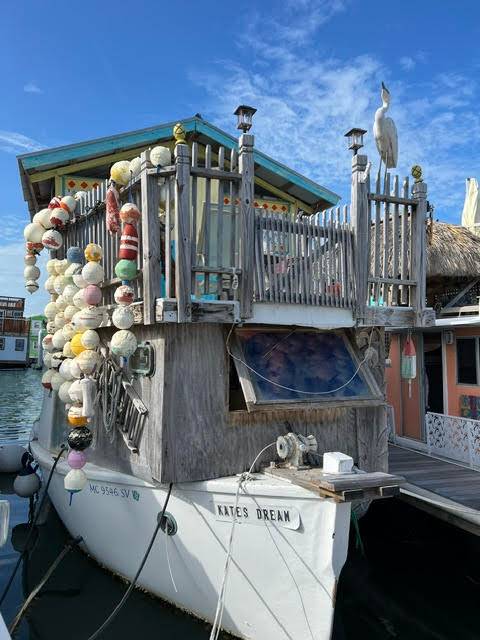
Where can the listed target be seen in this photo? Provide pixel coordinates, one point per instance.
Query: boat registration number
(114, 492)
(259, 514)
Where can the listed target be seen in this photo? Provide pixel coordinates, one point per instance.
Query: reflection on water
(419, 580)
(21, 396)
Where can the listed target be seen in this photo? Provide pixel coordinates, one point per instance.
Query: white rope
(168, 558)
(217, 622)
(281, 386)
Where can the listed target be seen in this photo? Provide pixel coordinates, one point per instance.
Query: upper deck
(220, 244)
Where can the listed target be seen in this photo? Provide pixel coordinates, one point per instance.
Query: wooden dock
(444, 489)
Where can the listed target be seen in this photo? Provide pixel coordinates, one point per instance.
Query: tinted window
(467, 361)
(19, 344)
(296, 361)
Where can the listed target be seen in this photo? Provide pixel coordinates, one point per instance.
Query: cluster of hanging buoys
(43, 232)
(124, 342)
(85, 360)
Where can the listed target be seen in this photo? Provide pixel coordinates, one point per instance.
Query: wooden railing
(305, 261)
(201, 239)
(89, 225)
(389, 229)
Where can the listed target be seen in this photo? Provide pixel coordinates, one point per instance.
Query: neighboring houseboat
(37, 331)
(435, 416)
(14, 331)
(260, 346)
(447, 380)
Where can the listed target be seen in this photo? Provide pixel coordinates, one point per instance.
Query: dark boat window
(467, 361)
(286, 363)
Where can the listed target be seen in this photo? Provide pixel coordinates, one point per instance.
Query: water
(419, 578)
(20, 399)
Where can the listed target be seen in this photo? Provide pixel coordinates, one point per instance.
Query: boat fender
(27, 483)
(88, 390)
(11, 458)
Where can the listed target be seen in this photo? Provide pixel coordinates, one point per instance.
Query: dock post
(151, 267)
(183, 252)
(359, 214)
(247, 223)
(419, 268)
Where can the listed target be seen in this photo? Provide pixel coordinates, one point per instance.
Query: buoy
(27, 483)
(123, 343)
(11, 458)
(409, 363)
(74, 482)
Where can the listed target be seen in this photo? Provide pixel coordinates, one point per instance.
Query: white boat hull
(288, 550)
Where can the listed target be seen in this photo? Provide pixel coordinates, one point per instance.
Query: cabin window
(2, 344)
(19, 344)
(284, 366)
(467, 361)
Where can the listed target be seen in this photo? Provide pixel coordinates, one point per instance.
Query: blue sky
(311, 67)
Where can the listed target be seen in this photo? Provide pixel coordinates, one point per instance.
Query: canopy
(471, 207)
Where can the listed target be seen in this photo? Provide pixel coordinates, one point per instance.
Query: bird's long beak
(385, 88)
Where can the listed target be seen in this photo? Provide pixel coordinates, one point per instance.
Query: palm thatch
(452, 252)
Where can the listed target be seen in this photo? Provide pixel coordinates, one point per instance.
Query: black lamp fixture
(244, 117)
(355, 139)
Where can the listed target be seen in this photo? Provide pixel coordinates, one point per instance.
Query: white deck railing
(453, 438)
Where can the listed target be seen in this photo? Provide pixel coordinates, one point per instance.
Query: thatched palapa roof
(452, 252)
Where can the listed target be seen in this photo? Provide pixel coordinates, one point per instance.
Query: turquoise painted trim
(39, 160)
(59, 156)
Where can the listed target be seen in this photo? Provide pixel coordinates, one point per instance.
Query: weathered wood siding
(190, 434)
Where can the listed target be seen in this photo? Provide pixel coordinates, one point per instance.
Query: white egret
(385, 133)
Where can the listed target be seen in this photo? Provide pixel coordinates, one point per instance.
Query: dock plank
(446, 479)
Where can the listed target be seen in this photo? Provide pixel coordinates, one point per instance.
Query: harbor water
(408, 576)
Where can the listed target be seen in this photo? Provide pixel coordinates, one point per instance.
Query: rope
(244, 477)
(111, 382)
(132, 584)
(68, 547)
(32, 525)
(281, 386)
(168, 558)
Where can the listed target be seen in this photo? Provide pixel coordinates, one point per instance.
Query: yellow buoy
(76, 344)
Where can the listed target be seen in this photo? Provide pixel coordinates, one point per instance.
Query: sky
(312, 68)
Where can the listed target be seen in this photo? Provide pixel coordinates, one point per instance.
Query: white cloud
(306, 102)
(13, 142)
(11, 277)
(31, 87)
(407, 63)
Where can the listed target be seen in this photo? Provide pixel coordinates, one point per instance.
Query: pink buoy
(92, 294)
(76, 459)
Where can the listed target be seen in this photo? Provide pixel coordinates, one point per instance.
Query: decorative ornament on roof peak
(179, 134)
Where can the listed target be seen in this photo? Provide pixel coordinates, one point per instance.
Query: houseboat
(14, 332)
(435, 413)
(35, 336)
(252, 404)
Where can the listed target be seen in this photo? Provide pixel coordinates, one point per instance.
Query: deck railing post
(183, 255)
(419, 194)
(359, 215)
(151, 263)
(247, 223)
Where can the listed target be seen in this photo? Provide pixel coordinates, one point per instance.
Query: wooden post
(150, 231)
(359, 214)
(247, 223)
(183, 251)
(419, 266)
